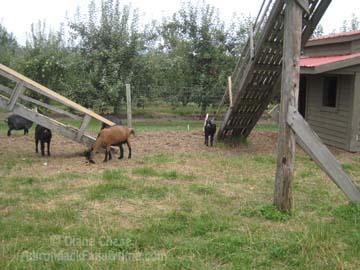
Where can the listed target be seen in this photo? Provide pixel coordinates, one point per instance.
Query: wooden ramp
(257, 75)
(17, 101)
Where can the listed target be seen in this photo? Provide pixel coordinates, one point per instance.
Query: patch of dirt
(67, 155)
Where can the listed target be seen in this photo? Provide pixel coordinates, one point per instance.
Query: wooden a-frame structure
(271, 58)
(15, 100)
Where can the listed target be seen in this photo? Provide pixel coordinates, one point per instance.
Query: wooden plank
(304, 4)
(315, 19)
(337, 65)
(322, 156)
(45, 121)
(230, 91)
(16, 92)
(85, 122)
(289, 96)
(128, 105)
(39, 103)
(272, 68)
(28, 83)
(251, 36)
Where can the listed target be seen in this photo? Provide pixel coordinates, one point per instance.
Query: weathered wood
(128, 106)
(251, 44)
(318, 151)
(271, 68)
(289, 96)
(230, 91)
(47, 122)
(315, 19)
(267, 54)
(336, 65)
(28, 83)
(19, 88)
(85, 122)
(39, 103)
(248, 70)
(332, 126)
(304, 4)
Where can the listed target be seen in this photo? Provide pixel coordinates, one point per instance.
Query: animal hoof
(92, 162)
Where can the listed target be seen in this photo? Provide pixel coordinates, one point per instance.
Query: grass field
(175, 205)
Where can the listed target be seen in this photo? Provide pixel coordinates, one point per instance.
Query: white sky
(17, 15)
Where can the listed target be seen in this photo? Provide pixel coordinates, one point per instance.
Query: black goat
(17, 122)
(210, 130)
(112, 118)
(43, 135)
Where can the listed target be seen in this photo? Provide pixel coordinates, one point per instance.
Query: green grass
(209, 210)
(172, 174)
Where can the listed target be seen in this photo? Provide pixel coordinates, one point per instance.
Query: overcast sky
(17, 15)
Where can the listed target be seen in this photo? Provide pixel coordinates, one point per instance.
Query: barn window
(330, 92)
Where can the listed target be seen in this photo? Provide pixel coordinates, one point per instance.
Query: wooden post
(84, 124)
(313, 145)
(230, 91)
(289, 96)
(128, 105)
(19, 88)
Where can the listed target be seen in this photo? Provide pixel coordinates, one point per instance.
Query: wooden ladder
(256, 77)
(11, 99)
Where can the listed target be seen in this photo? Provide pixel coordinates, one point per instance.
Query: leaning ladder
(14, 100)
(255, 78)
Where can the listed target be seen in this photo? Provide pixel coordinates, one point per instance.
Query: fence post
(128, 105)
(289, 96)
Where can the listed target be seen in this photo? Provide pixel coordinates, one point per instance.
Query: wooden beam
(28, 83)
(16, 92)
(230, 91)
(85, 122)
(337, 65)
(47, 122)
(289, 96)
(313, 145)
(271, 68)
(251, 43)
(304, 4)
(39, 103)
(315, 19)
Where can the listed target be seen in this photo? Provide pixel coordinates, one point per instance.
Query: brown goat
(112, 136)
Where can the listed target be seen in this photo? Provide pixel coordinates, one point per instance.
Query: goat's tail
(132, 131)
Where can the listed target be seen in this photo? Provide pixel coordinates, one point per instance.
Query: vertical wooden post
(19, 88)
(289, 96)
(230, 91)
(128, 105)
(84, 124)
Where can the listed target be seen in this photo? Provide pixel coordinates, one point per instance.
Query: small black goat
(17, 122)
(112, 118)
(43, 135)
(210, 130)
